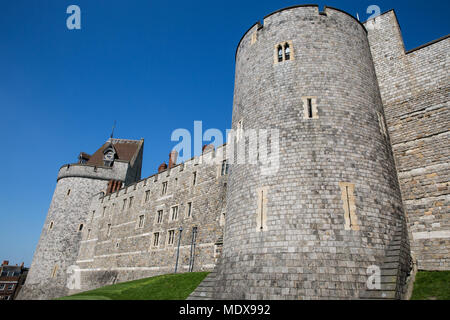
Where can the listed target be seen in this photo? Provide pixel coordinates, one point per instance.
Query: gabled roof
(127, 150)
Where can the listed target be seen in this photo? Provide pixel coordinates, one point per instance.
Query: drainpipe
(178, 249)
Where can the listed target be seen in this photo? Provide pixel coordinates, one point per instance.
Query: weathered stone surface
(309, 230)
(307, 250)
(415, 90)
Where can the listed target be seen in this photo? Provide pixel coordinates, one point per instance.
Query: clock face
(109, 156)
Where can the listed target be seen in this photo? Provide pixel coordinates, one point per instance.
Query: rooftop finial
(114, 126)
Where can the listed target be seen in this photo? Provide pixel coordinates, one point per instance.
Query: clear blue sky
(153, 65)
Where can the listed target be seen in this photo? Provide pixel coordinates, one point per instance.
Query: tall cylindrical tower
(313, 227)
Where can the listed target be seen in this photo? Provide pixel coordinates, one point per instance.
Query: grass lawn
(432, 285)
(165, 287)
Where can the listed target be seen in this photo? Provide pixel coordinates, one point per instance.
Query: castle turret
(117, 162)
(315, 227)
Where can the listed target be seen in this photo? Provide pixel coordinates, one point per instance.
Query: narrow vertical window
(156, 239)
(287, 52)
(310, 108)
(382, 124)
(55, 269)
(280, 53)
(141, 221)
(50, 227)
(164, 188)
(189, 210)
(170, 237)
(124, 204)
(261, 210)
(88, 234)
(348, 202)
(108, 231)
(224, 170)
(130, 203)
(147, 195)
(104, 211)
(68, 192)
(80, 227)
(174, 215)
(159, 216)
(194, 178)
(93, 215)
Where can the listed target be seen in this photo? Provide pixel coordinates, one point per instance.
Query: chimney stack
(5, 263)
(162, 167)
(207, 148)
(173, 155)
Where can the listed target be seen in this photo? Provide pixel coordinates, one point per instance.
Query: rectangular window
(147, 195)
(108, 231)
(189, 210)
(124, 204)
(93, 215)
(141, 221)
(159, 216)
(224, 170)
(194, 178)
(164, 188)
(170, 237)
(104, 211)
(174, 215)
(309, 108)
(156, 239)
(130, 203)
(10, 287)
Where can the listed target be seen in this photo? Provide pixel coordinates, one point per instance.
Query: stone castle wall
(334, 164)
(128, 251)
(345, 103)
(415, 89)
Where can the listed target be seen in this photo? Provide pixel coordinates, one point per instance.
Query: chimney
(173, 155)
(162, 167)
(5, 263)
(207, 148)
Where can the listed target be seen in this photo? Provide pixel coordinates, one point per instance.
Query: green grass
(165, 287)
(432, 285)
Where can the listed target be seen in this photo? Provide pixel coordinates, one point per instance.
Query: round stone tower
(313, 228)
(117, 161)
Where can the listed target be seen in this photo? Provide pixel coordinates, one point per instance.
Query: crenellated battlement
(116, 172)
(305, 11)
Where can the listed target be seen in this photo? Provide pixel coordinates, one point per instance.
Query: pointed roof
(126, 150)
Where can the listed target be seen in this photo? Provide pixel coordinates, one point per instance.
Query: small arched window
(280, 54)
(287, 52)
